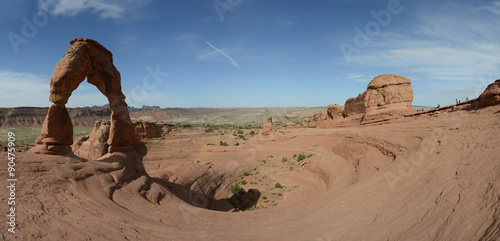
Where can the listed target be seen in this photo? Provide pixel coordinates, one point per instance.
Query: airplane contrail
(235, 64)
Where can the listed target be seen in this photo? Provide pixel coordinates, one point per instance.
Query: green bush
(236, 189)
(301, 157)
(278, 185)
(223, 143)
(284, 159)
(241, 136)
(240, 132)
(246, 174)
(252, 132)
(237, 144)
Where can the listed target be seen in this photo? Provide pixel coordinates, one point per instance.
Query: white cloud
(23, 89)
(104, 8)
(493, 8)
(359, 78)
(448, 53)
(354, 76)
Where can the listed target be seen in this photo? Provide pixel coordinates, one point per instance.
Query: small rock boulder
(335, 111)
(318, 116)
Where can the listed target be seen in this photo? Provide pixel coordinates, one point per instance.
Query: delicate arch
(85, 58)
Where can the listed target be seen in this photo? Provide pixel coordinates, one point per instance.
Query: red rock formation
(85, 58)
(385, 95)
(268, 127)
(318, 116)
(490, 96)
(95, 145)
(147, 130)
(335, 111)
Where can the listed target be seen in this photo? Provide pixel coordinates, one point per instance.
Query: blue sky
(254, 53)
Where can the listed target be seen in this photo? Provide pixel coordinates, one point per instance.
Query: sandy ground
(427, 178)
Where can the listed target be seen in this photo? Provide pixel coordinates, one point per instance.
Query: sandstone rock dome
(385, 93)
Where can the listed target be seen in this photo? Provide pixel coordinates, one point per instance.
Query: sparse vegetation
(264, 161)
(236, 189)
(223, 143)
(278, 185)
(301, 157)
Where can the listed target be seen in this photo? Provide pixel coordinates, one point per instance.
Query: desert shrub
(243, 182)
(223, 143)
(278, 185)
(241, 136)
(269, 156)
(236, 189)
(237, 144)
(246, 174)
(284, 159)
(240, 132)
(301, 157)
(252, 132)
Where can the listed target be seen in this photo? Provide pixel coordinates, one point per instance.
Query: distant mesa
(386, 96)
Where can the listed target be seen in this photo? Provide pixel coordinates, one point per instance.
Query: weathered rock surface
(318, 116)
(95, 145)
(85, 58)
(147, 130)
(386, 95)
(57, 132)
(268, 127)
(335, 111)
(490, 96)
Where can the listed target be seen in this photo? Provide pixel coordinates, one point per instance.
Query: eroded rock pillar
(57, 132)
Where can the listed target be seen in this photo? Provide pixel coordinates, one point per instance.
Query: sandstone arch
(85, 58)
